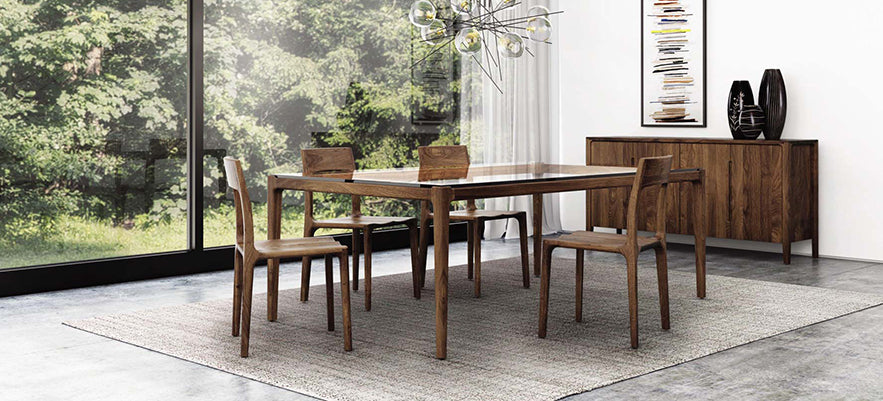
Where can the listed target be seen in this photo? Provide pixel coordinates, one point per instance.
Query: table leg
(274, 228)
(699, 222)
(537, 233)
(424, 239)
(441, 206)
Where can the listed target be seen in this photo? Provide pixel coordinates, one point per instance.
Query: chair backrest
(443, 157)
(444, 162)
(651, 178)
(327, 161)
(244, 218)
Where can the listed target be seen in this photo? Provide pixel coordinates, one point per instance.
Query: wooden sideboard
(756, 190)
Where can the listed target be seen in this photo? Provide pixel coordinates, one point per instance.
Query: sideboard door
(646, 211)
(716, 161)
(609, 205)
(756, 194)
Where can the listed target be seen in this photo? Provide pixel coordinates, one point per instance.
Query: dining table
(439, 188)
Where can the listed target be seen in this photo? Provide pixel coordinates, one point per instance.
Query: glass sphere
(468, 41)
(539, 29)
(462, 6)
(434, 33)
(511, 45)
(538, 11)
(422, 13)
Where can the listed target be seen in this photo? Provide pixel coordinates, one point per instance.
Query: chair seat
(297, 247)
(472, 215)
(605, 242)
(363, 222)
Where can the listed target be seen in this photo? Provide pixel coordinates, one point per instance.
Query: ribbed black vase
(774, 102)
(740, 96)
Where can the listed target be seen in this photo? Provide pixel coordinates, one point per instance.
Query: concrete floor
(43, 360)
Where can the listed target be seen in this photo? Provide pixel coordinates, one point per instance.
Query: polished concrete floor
(40, 359)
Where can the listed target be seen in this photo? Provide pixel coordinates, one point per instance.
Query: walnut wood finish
(324, 161)
(482, 183)
(248, 252)
(445, 162)
(757, 190)
(651, 183)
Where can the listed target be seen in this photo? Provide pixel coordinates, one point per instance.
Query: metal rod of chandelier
(471, 25)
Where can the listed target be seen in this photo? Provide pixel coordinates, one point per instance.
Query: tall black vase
(740, 96)
(774, 102)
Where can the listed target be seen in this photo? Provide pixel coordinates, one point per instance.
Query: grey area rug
(493, 349)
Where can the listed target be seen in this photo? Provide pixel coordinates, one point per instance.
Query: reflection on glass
(277, 85)
(92, 129)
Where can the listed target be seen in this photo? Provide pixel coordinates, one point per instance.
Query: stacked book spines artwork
(672, 69)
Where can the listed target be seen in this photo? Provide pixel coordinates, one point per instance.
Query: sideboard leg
(786, 252)
(815, 201)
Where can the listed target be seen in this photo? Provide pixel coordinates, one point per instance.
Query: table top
(475, 175)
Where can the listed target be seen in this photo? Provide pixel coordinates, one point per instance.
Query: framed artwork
(673, 61)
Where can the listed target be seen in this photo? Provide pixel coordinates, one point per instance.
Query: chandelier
(481, 27)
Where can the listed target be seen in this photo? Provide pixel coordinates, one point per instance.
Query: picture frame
(673, 64)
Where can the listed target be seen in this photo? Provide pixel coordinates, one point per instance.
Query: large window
(93, 101)
(283, 75)
(94, 118)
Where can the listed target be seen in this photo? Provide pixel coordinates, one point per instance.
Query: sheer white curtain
(513, 126)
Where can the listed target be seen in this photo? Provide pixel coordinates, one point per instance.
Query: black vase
(751, 121)
(774, 102)
(740, 96)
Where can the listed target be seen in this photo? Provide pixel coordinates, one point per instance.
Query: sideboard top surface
(722, 141)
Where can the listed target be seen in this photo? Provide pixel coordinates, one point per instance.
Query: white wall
(829, 55)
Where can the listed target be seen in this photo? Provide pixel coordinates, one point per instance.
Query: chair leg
(272, 290)
(545, 274)
(237, 291)
(414, 236)
(525, 258)
(367, 250)
(305, 270)
(329, 290)
(345, 303)
(632, 272)
(662, 277)
(357, 243)
(476, 262)
(470, 249)
(580, 261)
(247, 288)
(424, 240)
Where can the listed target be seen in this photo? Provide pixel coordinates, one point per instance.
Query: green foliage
(93, 100)
(77, 77)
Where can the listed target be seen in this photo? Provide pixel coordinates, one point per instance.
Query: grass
(78, 238)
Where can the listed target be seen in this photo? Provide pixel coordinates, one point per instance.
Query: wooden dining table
(440, 187)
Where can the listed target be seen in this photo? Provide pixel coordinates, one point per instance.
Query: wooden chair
(249, 252)
(436, 159)
(651, 179)
(340, 160)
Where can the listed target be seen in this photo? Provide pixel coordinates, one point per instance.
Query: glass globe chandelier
(481, 27)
